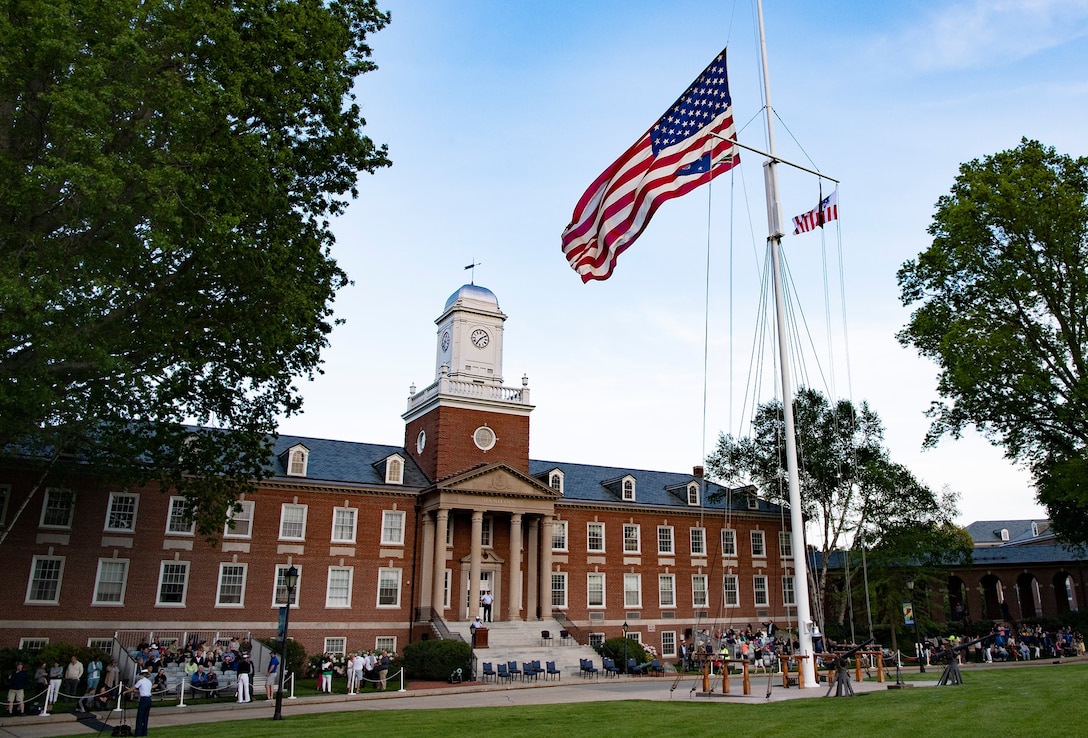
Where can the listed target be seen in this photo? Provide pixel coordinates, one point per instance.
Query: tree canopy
(170, 170)
(1000, 302)
(851, 490)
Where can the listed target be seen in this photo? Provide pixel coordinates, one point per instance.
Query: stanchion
(120, 689)
(402, 689)
(292, 678)
(181, 690)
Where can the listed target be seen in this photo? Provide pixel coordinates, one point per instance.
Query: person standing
(73, 673)
(56, 673)
(487, 600)
(326, 673)
(143, 711)
(17, 688)
(94, 673)
(383, 670)
(245, 671)
(41, 681)
(272, 677)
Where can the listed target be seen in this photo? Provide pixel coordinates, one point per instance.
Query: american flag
(680, 152)
(826, 211)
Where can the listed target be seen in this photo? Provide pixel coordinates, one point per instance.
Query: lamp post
(918, 646)
(625, 647)
(290, 580)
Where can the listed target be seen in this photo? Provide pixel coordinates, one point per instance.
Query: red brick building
(388, 538)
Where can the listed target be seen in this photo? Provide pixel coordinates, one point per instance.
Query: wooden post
(747, 681)
(706, 678)
(725, 676)
(880, 667)
(857, 668)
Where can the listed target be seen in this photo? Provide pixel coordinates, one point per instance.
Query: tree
(170, 170)
(850, 489)
(1001, 305)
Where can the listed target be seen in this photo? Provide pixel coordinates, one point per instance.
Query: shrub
(613, 648)
(435, 660)
(296, 654)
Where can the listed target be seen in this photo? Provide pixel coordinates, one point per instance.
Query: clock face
(480, 338)
(445, 340)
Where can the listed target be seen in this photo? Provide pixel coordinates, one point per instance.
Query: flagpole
(805, 624)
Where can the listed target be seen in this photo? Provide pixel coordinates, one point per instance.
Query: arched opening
(957, 600)
(991, 598)
(1028, 600)
(1065, 596)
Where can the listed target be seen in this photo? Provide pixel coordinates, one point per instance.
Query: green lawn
(1009, 703)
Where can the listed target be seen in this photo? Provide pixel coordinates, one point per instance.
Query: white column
(474, 564)
(442, 517)
(532, 568)
(426, 583)
(546, 569)
(514, 595)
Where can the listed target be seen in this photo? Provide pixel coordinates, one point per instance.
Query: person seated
(213, 683)
(199, 681)
(158, 687)
(86, 702)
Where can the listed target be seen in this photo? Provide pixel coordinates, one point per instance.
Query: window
(279, 591)
(485, 532)
(664, 540)
(173, 583)
(292, 522)
(392, 528)
(484, 438)
(58, 508)
(729, 589)
(446, 575)
(629, 490)
(343, 524)
(336, 646)
(109, 583)
(232, 586)
(668, 643)
(5, 496)
(555, 481)
(758, 549)
(388, 587)
(787, 591)
(631, 542)
(759, 587)
(242, 518)
(177, 519)
(559, 535)
(596, 639)
(394, 470)
(338, 593)
(105, 645)
(785, 543)
(297, 461)
(632, 590)
(385, 643)
(121, 513)
(45, 575)
(666, 590)
(595, 589)
(698, 590)
(33, 645)
(449, 531)
(729, 543)
(595, 537)
(693, 494)
(559, 589)
(698, 541)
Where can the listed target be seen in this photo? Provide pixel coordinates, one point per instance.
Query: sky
(498, 115)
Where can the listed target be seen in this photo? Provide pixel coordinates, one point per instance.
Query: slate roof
(988, 532)
(347, 462)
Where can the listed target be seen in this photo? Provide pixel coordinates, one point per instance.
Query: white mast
(805, 624)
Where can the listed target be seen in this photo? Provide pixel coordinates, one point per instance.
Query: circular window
(421, 442)
(484, 438)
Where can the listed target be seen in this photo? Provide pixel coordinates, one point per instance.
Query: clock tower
(467, 416)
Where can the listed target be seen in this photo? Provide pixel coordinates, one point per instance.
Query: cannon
(841, 685)
(951, 675)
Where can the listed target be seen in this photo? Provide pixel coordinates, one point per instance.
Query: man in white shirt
(245, 673)
(143, 712)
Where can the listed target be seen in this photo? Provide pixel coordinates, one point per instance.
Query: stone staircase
(520, 641)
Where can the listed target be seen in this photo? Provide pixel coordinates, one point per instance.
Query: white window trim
(554, 477)
(665, 652)
(789, 596)
(600, 550)
(340, 649)
(660, 601)
(394, 469)
(354, 514)
(729, 533)
(785, 544)
(391, 514)
(219, 585)
(400, 588)
(755, 591)
(604, 590)
(30, 580)
(177, 499)
(248, 512)
(638, 538)
(184, 589)
(275, 585)
(297, 451)
(693, 494)
(624, 483)
(736, 589)
(560, 525)
(487, 532)
(704, 590)
(100, 644)
(45, 506)
(390, 644)
(283, 519)
(672, 540)
(109, 512)
(637, 578)
(566, 592)
(329, 604)
(28, 643)
(758, 534)
(691, 541)
(98, 580)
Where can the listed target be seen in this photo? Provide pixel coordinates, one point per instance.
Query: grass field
(1011, 703)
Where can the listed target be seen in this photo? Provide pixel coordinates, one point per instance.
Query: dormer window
(693, 493)
(298, 458)
(394, 470)
(1004, 534)
(555, 480)
(753, 502)
(1034, 529)
(628, 489)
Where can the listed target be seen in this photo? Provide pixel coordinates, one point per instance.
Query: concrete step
(521, 641)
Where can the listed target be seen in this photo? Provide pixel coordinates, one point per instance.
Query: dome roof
(472, 292)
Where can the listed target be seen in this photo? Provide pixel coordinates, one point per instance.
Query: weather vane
(472, 266)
